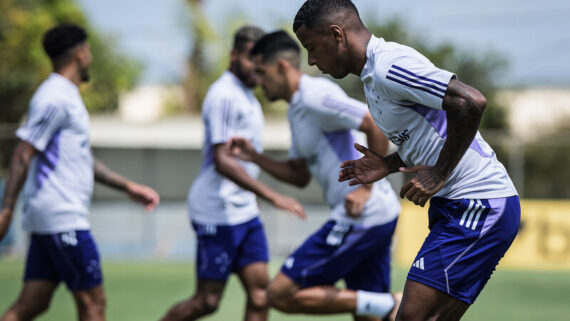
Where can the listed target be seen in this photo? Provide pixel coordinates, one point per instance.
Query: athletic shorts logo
(289, 262)
(474, 210)
(419, 263)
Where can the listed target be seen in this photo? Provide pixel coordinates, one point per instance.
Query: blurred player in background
(55, 161)
(222, 201)
(433, 119)
(355, 243)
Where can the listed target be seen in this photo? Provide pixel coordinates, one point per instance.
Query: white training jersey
(405, 94)
(229, 109)
(322, 118)
(59, 184)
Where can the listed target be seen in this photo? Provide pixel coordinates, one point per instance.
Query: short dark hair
(274, 43)
(313, 12)
(60, 39)
(246, 34)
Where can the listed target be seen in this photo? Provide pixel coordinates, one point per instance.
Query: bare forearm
(290, 171)
(232, 170)
(18, 173)
(107, 177)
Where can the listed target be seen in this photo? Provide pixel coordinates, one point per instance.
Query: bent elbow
(302, 183)
(479, 102)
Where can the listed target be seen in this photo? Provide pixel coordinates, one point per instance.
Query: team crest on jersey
(400, 138)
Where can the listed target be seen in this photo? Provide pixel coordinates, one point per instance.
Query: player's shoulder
(394, 56)
(221, 91)
(314, 90)
(48, 96)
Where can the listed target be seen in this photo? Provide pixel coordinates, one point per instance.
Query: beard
(246, 78)
(84, 73)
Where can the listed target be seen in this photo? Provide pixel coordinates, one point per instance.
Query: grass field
(139, 291)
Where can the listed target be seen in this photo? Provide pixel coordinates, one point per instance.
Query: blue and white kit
(477, 209)
(57, 192)
(322, 119)
(224, 215)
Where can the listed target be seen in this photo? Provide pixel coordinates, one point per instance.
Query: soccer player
(222, 200)
(433, 119)
(54, 159)
(354, 244)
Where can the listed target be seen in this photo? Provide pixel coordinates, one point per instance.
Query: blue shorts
(71, 257)
(359, 255)
(467, 239)
(223, 249)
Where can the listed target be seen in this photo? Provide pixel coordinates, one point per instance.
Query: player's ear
(282, 65)
(336, 33)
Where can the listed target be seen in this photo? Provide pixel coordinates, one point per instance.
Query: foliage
(24, 64)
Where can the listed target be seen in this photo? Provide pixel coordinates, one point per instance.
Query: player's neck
(358, 51)
(293, 77)
(70, 73)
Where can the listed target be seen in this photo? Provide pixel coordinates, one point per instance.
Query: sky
(533, 36)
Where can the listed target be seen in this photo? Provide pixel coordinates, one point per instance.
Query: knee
(279, 299)
(207, 303)
(94, 309)
(257, 298)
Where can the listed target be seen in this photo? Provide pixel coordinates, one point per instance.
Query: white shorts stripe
(466, 211)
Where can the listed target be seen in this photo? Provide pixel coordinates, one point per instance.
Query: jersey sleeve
(416, 79)
(222, 119)
(43, 123)
(337, 111)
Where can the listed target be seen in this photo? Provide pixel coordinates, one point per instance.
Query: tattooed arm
(137, 192)
(23, 154)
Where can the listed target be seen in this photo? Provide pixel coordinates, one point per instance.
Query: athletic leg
(90, 304)
(421, 302)
(205, 301)
(287, 296)
(34, 299)
(254, 278)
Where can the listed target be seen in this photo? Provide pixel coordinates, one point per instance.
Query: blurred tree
(24, 65)
(199, 73)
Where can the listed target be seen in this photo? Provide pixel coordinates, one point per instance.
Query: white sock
(374, 304)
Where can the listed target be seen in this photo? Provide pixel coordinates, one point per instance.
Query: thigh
(421, 302)
(328, 255)
(35, 294)
(373, 273)
(466, 242)
(254, 276)
(39, 265)
(76, 259)
(252, 246)
(216, 251)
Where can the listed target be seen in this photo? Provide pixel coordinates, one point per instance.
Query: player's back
(60, 178)
(323, 120)
(229, 109)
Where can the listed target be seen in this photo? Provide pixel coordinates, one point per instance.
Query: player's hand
(241, 148)
(424, 185)
(143, 194)
(290, 205)
(368, 169)
(5, 218)
(354, 202)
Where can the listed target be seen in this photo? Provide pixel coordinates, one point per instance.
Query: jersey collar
(371, 50)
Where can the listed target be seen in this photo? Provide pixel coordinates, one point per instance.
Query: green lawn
(141, 291)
